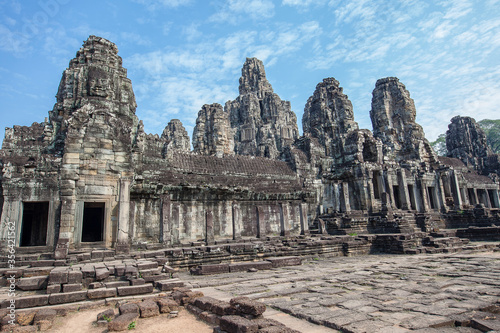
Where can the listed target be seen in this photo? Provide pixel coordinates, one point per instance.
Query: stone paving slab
(376, 293)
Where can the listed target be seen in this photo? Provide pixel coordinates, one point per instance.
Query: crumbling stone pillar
(123, 238)
(423, 196)
(166, 220)
(455, 191)
(404, 196)
(304, 225)
(284, 219)
(261, 231)
(440, 196)
(209, 220)
(175, 222)
(237, 227)
(345, 205)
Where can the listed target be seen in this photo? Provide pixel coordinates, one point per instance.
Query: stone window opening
(93, 221)
(34, 224)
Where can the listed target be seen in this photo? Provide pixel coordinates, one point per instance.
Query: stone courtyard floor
(375, 293)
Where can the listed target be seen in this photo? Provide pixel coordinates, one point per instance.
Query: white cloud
(134, 38)
(157, 4)
(233, 11)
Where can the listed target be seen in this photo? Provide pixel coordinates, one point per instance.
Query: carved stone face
(99, 83)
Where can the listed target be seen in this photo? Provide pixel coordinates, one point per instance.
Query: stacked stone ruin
(89, 177)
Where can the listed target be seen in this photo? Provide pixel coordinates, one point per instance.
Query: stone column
(455, 191)
(345, 205)
(166, 206)
(236, 221)
(404, 196)
(424, 196)
(440, 196)
(495, 199)
(175, 222)
(123, 237)
(284, 219)
(209, 235)
(390, 191)
(304, 224)
(260, 222)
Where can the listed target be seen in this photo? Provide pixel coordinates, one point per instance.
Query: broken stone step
(245, 266)
(284, 261)
(167, 285)
(135, 290)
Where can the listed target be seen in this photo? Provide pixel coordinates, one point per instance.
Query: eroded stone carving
(212, 134)
(263, 123)
(393, 116)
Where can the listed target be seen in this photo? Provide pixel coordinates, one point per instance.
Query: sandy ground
(84, 321)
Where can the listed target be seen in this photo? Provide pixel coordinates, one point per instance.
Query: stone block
(135, 290)
(246, 306)
(67, 288)
(122, 322)
(53, 288)
(130, 271)
(37, 271)
(210, 269)
(167, 285)
(154, 278)
(137, 282)
(75, 277)
(88, 271)
(119, 270)
(25, 318)
(45, 314)
(245, 266)
(148, 309)
(116, 284)
(144, 265)
(101, 274)
(31, 301)
(57, 276)
(32, 283)
(101, 293)
(284, 261)
(62, 298)
(237, 324)
(96, 285)
(166, 305)
(42, 263)
(129, 308)
(106, 315)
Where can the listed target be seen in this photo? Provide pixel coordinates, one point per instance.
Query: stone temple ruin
(89, 177)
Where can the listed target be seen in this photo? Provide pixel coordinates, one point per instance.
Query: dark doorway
(93, 222)
(34, 225)
(397, 200)
(432, 201)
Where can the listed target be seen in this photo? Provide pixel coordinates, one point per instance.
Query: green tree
(439, 145)
(492, 130)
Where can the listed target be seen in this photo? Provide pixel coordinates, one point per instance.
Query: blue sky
(181, 54)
